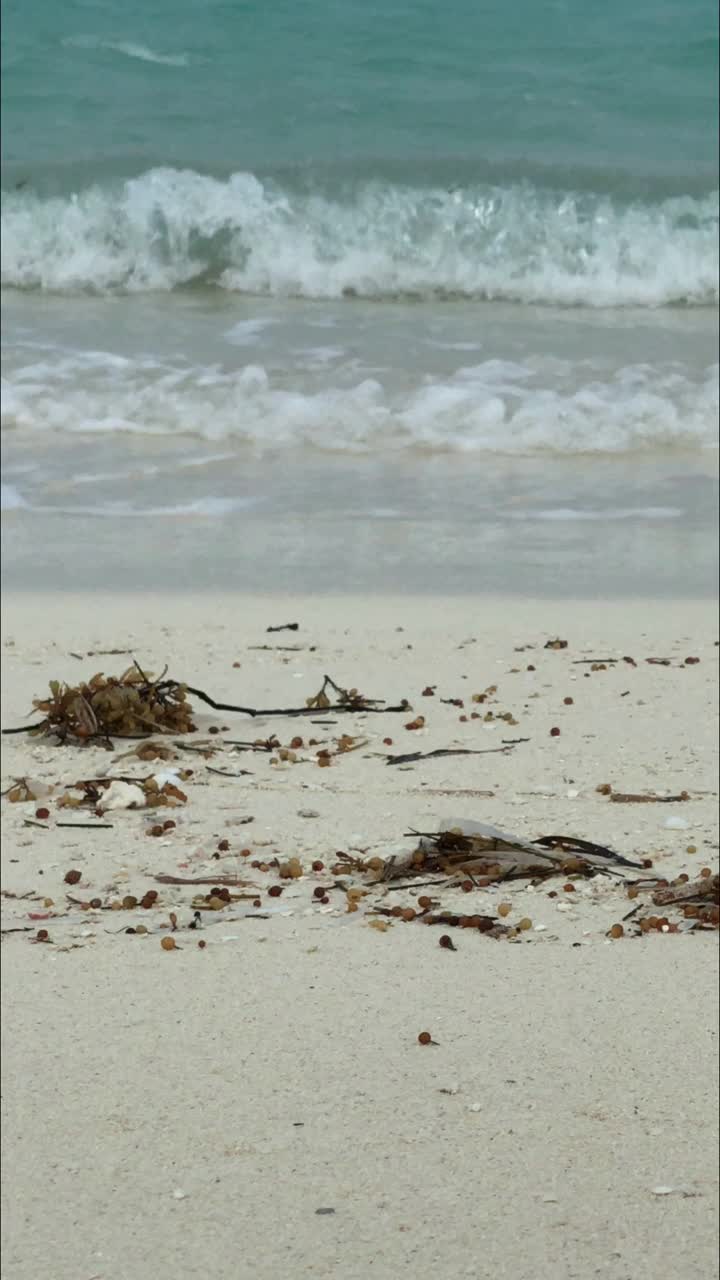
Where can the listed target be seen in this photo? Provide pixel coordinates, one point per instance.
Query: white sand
(187, 1114)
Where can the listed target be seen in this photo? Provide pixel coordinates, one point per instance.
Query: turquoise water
(604, 97)
(355, 228)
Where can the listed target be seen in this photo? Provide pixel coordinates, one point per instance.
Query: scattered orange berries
(616, 931)
(168, 944)
(425, 1038)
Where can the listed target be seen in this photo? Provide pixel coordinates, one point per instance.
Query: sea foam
(171, 228)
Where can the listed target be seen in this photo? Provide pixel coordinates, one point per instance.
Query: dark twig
(228, 773)
(231, 881)
(87, 826)
(351, 704)
(285, 626)
(411, 756)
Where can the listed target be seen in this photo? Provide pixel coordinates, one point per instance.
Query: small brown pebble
(168, 825)
(530, 667)
(388, 742)
(140, 928)
(296, 743)
(428, 692)
(42, 814)
(604, 789)
(275, 890)
(555, 732)
(424, 901)
(245, 853)
(325, 900)
(425, 1038)
(73, 877)
(408, 913)
(706, 872)
(568, 701)
(223, 845)
(319, 892)
(96, 903)
(467, 886)
(632, 892)
(691, 662)
(129, 902)
(683, 878)
(647, 862)
(504, 908)
(42, 935)
(257, 902)
(525, 923)
(375, 864)
(168, 944)
(552, 894)
(216, 904)
(692, 848)
(157, 830)
(202, 944)
(396, 911)
(568, 888)
(616, 931)
(417, 723)
(318, 865)
(462, 719)
(447, 942)
(213, 729)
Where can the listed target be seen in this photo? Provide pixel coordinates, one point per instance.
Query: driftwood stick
(221, 880)
(627, 797)
(459, 751)
(694, 890)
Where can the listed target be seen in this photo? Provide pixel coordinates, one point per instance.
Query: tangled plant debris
(136, 705)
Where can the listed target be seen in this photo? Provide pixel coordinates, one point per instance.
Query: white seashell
(122, 795)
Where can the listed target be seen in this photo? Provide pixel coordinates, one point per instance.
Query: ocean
(262, 260)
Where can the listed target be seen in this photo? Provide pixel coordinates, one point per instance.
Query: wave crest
(172, 228)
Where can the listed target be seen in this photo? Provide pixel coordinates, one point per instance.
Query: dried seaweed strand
(459, 751)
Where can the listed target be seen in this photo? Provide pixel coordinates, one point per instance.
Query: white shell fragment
(122, 795)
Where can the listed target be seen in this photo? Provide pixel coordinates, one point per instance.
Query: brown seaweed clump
(132, 705)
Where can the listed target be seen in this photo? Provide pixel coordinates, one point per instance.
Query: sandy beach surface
(261, 1107)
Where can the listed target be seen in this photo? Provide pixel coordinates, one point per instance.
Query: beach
(359, 503)
(260, 1105)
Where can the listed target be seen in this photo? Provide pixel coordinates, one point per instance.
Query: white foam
(128, 48)
(608, 513)
(498, 406)
(170, 227)
(11, 499)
